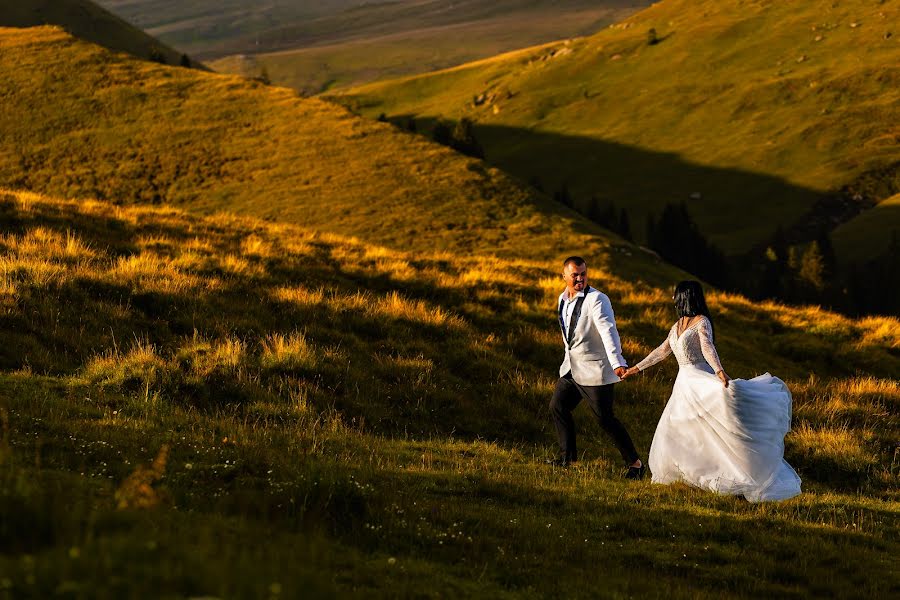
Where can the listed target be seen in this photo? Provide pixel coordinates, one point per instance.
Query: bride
(716, 433)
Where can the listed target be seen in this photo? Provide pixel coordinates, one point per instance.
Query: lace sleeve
(658, 355)
(707, 345)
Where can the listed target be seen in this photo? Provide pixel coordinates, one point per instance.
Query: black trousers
(567, 396)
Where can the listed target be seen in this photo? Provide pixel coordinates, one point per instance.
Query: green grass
(89, 21)
(749, 104)
(870, 233)
(342, 418)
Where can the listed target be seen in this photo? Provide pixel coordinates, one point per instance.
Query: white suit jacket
(593, 348)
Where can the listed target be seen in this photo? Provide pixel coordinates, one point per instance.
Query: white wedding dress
(726, 440)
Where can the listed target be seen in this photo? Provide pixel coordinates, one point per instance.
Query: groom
(592, 366)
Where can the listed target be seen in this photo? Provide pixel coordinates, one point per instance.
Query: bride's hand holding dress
(719, 434)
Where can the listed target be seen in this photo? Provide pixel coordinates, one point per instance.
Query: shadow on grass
(398, 368)
(736, 209)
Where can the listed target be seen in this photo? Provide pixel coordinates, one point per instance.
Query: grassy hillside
(383, 40)
(135, 132)
(86, 20)
(233, 407)
(869, 234)
(749, 111)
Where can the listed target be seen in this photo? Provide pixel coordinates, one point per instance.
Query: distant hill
(314, 46)
(86, 20)
(129, 131)
(380, 41)
(213, 29)
(870, 233)
(756, 114)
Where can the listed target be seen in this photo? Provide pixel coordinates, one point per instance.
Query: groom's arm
(605, 321)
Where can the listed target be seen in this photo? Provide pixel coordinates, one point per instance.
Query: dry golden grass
(292, 351)
(425, 377)
(114, 368)
(837, 444)
(215, 143)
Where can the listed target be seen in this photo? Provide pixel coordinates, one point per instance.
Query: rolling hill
(212, 30)
(86, 20)
(256, 346)
(114, 128)
(870, 233)
(757, 114)
(382, 40)
(232, 407)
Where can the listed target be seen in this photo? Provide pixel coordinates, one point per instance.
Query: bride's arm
(658, 355)
(704, 329)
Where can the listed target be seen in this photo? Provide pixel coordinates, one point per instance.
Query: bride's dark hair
(689, 301)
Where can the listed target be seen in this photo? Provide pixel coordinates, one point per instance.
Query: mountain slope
(752, 112)
(114, 128)
(86, 20)
(225, 406)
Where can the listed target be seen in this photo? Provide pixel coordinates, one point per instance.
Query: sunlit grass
(214, 143)
(369, 404)
(837, 444)
(292, 351)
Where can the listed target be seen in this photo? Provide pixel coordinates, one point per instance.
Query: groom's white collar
(565, 294)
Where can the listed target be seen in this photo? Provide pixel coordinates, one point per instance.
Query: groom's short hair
(573, 260)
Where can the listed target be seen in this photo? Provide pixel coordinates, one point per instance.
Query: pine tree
(771, 283)
(463, 139)
(563, 196)
(780, 246)
(625, 226)
(677, 239)
(829, 260)
(652, 239)
(157, 56)
(603, 215)
(812, 267)
(441, 133)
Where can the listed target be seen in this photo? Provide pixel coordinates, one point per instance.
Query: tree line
(806, 273)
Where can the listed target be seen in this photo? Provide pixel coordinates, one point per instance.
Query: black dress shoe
(636, 472)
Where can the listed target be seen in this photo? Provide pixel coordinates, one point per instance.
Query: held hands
(624, 373)
(723, 377)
